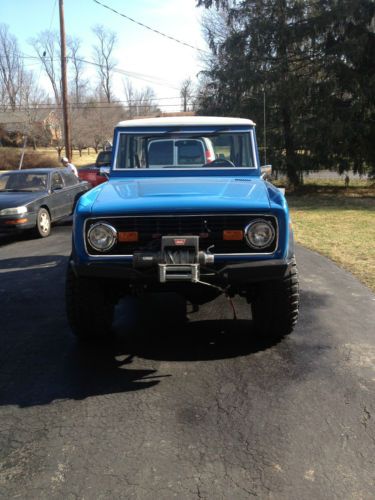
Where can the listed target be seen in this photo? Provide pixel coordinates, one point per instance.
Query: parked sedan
(33, 199)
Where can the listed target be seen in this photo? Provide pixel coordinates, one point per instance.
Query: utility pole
(23, 151)
(64, 82)
(264, 126)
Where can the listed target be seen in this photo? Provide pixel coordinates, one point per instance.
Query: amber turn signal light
(233, 234)
(127, 236)
(16, 221)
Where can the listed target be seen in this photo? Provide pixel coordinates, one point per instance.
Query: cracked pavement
(203, 410)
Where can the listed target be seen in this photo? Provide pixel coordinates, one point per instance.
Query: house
(41, 126)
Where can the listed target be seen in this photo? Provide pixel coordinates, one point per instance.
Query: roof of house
(22, 116)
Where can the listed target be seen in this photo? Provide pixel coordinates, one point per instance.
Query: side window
(160, 153)
(57, 182)
(70, 179)
(129, 152)
(190, 152)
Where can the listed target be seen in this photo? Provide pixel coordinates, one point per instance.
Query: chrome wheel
(43, 223)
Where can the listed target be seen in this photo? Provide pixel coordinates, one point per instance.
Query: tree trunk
(286, 93)
(291, 160)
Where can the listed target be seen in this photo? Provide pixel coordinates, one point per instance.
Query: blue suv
(201, 229)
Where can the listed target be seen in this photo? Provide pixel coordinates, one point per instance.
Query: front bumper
(231, 274)
(16, 223)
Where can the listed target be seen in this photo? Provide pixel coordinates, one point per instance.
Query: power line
(52, 107)
(149, 28)
(130, 102)
(138, 76)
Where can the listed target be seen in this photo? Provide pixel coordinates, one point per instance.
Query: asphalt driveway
(205, 410)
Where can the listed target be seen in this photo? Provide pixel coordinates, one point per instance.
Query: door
(60, 197)
(74, 189)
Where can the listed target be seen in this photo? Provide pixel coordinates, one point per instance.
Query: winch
(178, 260)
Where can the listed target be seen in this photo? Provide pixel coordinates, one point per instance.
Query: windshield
(104, 157)
(23, 181)
(184, 150)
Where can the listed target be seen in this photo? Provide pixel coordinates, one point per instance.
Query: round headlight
(102, 236)
(259, 234)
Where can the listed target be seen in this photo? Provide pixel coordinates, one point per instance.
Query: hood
(183, 194)
(11, 199)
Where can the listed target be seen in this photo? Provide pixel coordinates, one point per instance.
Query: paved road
(206, 411)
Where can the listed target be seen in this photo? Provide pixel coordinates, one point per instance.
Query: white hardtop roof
(185, 120)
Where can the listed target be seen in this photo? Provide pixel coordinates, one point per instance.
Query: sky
(161, 61)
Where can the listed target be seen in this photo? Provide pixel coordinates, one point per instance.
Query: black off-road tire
(43, 223)
(275, 305)
(89, 306)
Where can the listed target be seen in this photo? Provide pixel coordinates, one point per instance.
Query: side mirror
(105, 171)
(265, 171)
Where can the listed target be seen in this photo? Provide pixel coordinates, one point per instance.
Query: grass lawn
(85, 159)
(78, 161)
(41, 157)
(338, 223)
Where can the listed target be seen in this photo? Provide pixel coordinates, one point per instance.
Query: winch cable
(232, 305)
(225, 292)
(180, 257)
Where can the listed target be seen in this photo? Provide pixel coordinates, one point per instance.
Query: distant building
(41, 126)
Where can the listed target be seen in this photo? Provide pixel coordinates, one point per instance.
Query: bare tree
(130, 97)
(31, 95)
(106, 41)
(3, 95)
(79, 83)
(80, 128)
(31, 98)
(93, 123)
(139, 102)
(11, 68)
(186, 93)
(19, 90)
(47, 47)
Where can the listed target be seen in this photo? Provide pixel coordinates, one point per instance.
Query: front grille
(209, 228)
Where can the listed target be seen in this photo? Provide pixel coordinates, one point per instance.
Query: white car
(180, 152)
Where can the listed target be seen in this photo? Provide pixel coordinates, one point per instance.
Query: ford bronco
(197, 228)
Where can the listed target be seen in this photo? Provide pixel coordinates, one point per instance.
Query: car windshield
(184, 150)
(23, 181)
(104, 157)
